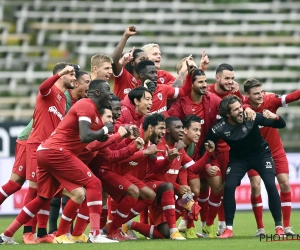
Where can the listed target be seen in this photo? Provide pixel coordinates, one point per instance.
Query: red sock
(122, 212)
(30, 195)
(112, 211)
(67, 216)
(213, 207)
(82, 219)
(103, 217)
(28, 212)
(94, 203)
(221, 212)
(140, 206)
(286, 207)
(147, 230)
(8, 189)
(144, 216)
(257, 208)
(43, 215)
(168, 207)
(203, 203)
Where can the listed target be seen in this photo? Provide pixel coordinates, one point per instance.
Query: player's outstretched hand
(190, 68)
(123, 131)
(127, 57)
(172, 153)
(139, 143)
(184, 189)
(109, 126)
(235, 87)
(212, 170)
(67, 70)
(130, 31)
(204, 62)
(250, 114)
(150, 85)
(180, 145)
(152, 150)
(210, 146)
(269, 115)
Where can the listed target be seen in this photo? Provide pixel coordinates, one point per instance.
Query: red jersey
(169, 172)
(164, 77)
(66, 135)
(124, 82)
(48, 113)
(211, 88)
(271, 102)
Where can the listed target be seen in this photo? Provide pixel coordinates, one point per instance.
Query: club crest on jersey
(20, 168)
(162, 80)
(178, 157)
(244, 129)
(159, 95)
(58, 97)
(97, 120)
(126, 91)
(89, 174)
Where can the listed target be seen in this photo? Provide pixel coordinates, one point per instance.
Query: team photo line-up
(158, 146)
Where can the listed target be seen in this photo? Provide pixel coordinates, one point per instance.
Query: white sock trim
(203, 200)
(213, 204)
(122, 215)
(168, 207)
(66, 218)
(25, 209)
(134, 212)
(45, 212)
(2, 192)
(286, 204)
(83, 216)
(257, 205)
(151, 232)
(92, 203)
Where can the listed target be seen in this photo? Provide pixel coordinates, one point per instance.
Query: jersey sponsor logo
(164, 108)
(173, 171)
(244, 129)
(227, 134)
(126, 91)
(268, 164)
(54, 110)
(228, 170)
(133, 163)
(162, 80)
(159, 95)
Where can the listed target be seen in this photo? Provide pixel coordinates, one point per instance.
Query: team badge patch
(159, 95)
(228, 170)
(89, 174)
(120, 187)
(162, 80)
(20, 168)
(244, 129)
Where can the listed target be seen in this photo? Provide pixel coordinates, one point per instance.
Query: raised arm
(117, 54)
(269, 119)
(87, 135)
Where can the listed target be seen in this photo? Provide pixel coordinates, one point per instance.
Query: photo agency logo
(278, 237)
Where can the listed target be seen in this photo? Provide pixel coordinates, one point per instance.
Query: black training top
(244, 139)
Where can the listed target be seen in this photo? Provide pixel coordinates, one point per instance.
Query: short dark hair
(128, 66)
(59, 67)
(171, 119)
(137, 93)
(187, 121)
(222, 67)
(96, 84)
(80, 73)
(153, 120)
(198, 72)
(114, 98)
(251, 83)
(143, 64)
(224, 108)
(102, 111)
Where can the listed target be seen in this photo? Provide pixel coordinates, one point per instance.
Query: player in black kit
(248, 150)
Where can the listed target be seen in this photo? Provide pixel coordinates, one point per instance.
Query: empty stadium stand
(260, 39)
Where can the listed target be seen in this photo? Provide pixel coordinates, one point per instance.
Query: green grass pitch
(244, 229)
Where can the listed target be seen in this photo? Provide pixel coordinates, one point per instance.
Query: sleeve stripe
(283, 102)
(189, 164)
(84, 118)
(176, 92)
(119, 73)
